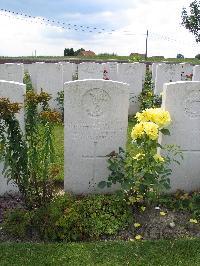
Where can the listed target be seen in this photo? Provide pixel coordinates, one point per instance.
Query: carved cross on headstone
(94, 157)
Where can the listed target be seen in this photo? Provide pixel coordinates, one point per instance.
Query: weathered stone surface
(96, 119)
(15, 92)
(12, 72)
(196, 73)
(67, 71)
(134, 75)
(112, 70)
(74, 71)
(187, 71)
(182, 100)
(50, 79)
(154, 67)
(90, 71)
(32, 69)
(166, 73)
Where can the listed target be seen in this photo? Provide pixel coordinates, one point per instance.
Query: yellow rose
(138, 237)
(161, 117)
(158, 158)
(193, 221)
(151, 129)
(157, 115)
(139, 156)
(136, 225)
(137, 131)
(145, 116)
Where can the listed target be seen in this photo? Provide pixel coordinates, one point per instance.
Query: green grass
(157, 253)
(98, 58)
(59, 150)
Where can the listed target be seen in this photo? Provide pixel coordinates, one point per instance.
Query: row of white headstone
(96, 120)
(51, 76)
(165, 73)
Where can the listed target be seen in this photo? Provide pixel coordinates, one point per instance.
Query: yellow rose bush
(146, 174)
(150, 168)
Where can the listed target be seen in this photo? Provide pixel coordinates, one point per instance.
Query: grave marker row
(96, 119)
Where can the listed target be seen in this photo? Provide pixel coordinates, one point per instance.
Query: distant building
(86, 53)
(137, 54)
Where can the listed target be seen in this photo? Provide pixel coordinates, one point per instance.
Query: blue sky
(60, 7)
(130, 18)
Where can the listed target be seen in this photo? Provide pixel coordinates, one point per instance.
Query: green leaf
(102, 184)
(159, 146)
(165, 131)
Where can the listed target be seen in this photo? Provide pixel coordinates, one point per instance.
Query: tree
(78, 51)
(180, 56)
(69, 52)
(191, 20)
(197, 56)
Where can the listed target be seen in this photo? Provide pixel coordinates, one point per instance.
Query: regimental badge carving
(96, 102)
(192, 105)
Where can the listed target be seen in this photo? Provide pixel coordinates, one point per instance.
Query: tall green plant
(27, 81)
(28, 157)
(147, 98)
(60, 102)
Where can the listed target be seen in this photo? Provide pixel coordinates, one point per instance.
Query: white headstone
(74, 71)
(187, 71)
(90, 71)
(12, 72)
(96, 120)
(67, 71)
(134, 75)
(32, 69)
(166, 73)
(15, 92)
(112, 70)
(196, 73)
(182, 100)
(50, 80)
(154, 67)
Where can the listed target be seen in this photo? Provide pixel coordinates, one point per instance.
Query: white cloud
(162, 18)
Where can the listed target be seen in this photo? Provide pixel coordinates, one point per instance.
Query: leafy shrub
(29, 158)
(147, 98)
(144, 176)
(103, 215)
(27, 81)
(67, 218)
(183, 201)
(17, 223)
(60, 102)
(46, 217)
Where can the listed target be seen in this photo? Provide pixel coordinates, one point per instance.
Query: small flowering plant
(144, 175)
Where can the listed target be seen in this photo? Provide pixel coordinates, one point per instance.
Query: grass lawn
(157, 253)
(59, 150)
(103, 57)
